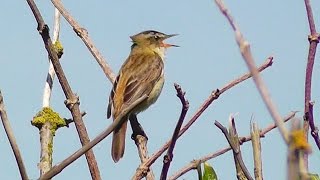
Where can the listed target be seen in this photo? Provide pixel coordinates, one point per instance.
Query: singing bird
(142, 74)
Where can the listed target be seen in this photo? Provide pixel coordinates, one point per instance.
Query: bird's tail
(118, 142)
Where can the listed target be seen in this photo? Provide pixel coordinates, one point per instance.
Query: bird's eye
(156, 37)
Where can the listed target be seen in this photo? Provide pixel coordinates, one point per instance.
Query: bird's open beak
(165, 45)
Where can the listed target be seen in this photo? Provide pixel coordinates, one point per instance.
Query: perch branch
(140, 138)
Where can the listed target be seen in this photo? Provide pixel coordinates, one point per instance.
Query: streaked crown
(150, 37)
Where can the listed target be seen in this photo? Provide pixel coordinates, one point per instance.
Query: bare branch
(313, 38)
(83, 34)
(193, 164)
(168, 157)
(73, 101)
(235, 146)
(244, 47)
(213, 96)
(140, 138)
(12, 139)
(256, 147)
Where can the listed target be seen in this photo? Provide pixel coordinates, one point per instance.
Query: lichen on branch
(48, 115)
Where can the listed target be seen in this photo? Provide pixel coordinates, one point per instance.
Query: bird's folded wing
(137, 77)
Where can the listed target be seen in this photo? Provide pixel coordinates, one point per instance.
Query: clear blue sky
(207, 59)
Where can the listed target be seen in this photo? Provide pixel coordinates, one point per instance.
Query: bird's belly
(152, 98)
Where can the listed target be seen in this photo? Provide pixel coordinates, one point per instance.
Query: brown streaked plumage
(141, 74)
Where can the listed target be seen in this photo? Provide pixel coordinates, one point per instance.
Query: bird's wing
(137, 77)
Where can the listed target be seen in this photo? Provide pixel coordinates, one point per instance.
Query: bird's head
(152, 39)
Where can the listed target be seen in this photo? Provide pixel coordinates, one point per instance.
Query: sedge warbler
(142, 74)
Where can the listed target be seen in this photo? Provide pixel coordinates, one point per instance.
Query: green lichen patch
(58, 48)
(48, 115)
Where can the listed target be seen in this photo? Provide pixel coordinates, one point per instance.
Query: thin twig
(213, 96)
(12, 139)
(73, 101)
(244, 47)
(256, 148)
(168, 157)
(193, 164)
(313, 40)
(115, 124)
(234, 139)
(234, 147)
(83, 34)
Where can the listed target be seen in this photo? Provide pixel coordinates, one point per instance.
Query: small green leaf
(209, 173)
(314, 176)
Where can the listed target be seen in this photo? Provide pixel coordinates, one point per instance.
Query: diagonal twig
(168, 157)
(194, 164)
(72, 99)
(12, 139)
(244, 47)
(213, 96)
(84, 35)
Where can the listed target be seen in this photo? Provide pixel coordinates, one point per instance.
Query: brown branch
(12, 139)
(313, 40)
(314, 129)
(244, 47)
(213, 96)
(73, 103)
(194, 164)
(256, 148)
(115, 124)
(140, 138)
(83, 34)
(235, 146)
(168, 157)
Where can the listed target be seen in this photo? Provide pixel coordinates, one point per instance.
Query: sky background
(207, 59)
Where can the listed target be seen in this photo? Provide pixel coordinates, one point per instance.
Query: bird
(142, 74)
